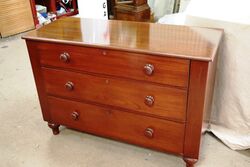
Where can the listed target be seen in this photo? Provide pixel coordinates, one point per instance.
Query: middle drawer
(150, 99)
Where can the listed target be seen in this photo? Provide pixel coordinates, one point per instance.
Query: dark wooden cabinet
(150, 89)
(135, 10)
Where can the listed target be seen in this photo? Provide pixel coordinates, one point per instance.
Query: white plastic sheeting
(161, 7)
(183, 5)
(230, 120)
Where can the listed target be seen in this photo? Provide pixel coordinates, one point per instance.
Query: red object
(51, 6)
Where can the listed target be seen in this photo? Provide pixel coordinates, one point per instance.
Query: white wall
(96, 9)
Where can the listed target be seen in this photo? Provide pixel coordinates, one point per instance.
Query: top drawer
(163, 70)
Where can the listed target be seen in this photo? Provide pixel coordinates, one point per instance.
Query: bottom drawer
(132, 128)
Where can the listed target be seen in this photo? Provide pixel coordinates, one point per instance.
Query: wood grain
(145, 84)
(37, 72)
(167, 136)
(170, 71)
(169, 102)
(195, 109)
(139, 2)
(166, 40)
(132, 13)
(15, 17)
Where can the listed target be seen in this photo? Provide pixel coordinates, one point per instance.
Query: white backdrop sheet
(230, 120)
(161, 7)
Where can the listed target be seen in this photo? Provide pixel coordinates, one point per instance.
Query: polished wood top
(165, 40)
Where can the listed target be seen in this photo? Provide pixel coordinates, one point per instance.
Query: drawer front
(141, 97)
(157, 69)
(141, 130)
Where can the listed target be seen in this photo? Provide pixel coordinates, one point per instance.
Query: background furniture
(146, 84)
(51, 7)
(132, 10)
(15, 17)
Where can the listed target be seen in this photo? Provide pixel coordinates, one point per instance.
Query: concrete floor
(26, 141)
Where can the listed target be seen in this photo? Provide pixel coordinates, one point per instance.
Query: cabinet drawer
(141, 97)
(159, 69)
(141, 130)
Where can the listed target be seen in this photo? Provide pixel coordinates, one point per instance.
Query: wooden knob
(64, 57)
(149, 132)
(69, 86)
(149, 69)
(74, 115)
(149, 101)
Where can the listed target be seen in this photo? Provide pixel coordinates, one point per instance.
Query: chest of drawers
(141, 83)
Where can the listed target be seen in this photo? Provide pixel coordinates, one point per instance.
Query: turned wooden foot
(190, 162)
(55, 128)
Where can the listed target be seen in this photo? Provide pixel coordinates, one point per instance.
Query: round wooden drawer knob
(69, 86)
(75, 115)
(149, 133)
(65, 57)
(149, 101)
(149, 69)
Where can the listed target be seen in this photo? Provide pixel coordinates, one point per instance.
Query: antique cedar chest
(142, 83)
